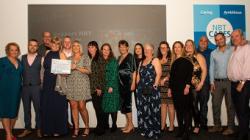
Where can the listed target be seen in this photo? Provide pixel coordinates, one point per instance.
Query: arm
(112, 74)
(157, 65)
(202, 61)
(133, 69)
(189, 69)
(211, 72)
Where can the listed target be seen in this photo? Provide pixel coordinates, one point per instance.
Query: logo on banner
(219, 25)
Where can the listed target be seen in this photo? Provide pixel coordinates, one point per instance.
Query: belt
(28, 85)
(221, 80)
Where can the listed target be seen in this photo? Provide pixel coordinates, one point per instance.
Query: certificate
(60, 66)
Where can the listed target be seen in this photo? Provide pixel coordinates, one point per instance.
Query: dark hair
(219, 33)
(159, 54)
(33, 40)
(111, 55)
(7, 47)
(143, 55)
(123, 42)
(95, 44)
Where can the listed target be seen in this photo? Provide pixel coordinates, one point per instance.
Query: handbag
(147, 90)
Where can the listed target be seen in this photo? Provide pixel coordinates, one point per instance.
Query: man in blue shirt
(220, 84)
(203, 95)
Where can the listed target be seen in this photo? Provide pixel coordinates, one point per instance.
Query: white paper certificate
(60, 66)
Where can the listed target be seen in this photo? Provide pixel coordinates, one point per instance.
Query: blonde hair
(57, 40)
(80, 46)
(7, 48)
(193, 45)
(173, 52)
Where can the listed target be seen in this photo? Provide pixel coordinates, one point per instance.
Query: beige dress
(78, 84)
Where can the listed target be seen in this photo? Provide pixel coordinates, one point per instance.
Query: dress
(148, 107)
(164, 89)
(126, 69)
(111, 101)
(10, 88)
(54, 106)
(78, 85)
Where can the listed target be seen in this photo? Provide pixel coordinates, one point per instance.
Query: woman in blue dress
(10, 87)
(148, 99)
(53, 105)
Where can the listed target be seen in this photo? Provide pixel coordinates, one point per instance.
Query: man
(31, 86)
(45, 45)
(239, 74)
(203, 94)
(220, 84)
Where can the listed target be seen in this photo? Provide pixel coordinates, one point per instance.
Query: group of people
(178, 80)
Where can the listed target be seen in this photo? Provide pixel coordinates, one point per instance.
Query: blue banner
(211, 19)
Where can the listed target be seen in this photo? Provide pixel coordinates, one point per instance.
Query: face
(203, 43)
(55, 46)
(92, 50)
(32, 47)
(67, 43)
(138, 50)
(220, 40)
(149, 51)
(76, 48)
(237, 38)
(13, 51)
(189, 48)
(46, 38)
(178, 49)
(123, 49)
(105, 51)
(164, 49)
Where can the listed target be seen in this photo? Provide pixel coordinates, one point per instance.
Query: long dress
(148, 107)
(126, 69)
(10, 87)
(53, 105)
(78, 85)
(111, 101)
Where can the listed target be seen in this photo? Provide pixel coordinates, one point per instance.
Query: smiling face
(178, 49)
(148, 50)
(47, 38)
(92, 50)
(203, 43)
(32, 47)
(237, 38)
(106, 51)
(13, 51)
(189, 47)
(76, 48)
(164, 49)
(66, 43)
(123, 49)
(220, 40)
(138, 50)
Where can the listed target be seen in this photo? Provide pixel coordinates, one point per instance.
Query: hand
(98, 92)
(73, 66)
(169, 93)
(240, 87)
(212, 88)
(132, 88)
(199, 86)
(162, 82)
(110, 90)
(186, 90)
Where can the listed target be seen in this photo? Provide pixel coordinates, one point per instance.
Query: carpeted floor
(118, 135)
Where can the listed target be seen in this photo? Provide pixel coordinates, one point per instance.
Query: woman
(111, 96)
(10, 87)
(164, 55)
(53, 105)
(198, 79)
(179, 88)
(96, 86)
(126, 72)
(78, 87)
(148, 95)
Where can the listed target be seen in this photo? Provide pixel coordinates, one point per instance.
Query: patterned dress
(148, 107)
(164, 89)
(111, 101)
(78, 85)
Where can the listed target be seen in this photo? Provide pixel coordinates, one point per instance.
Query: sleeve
(246, 67)
(190, 68)
(133, 64)
(112, 73)
(88, 64)
(211, 68)
(1, 68)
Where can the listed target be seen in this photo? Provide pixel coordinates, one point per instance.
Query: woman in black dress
(179, 85)
(53, 105)
(138, 54)
(126, 71)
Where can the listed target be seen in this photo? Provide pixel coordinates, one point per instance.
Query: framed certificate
(59, 66)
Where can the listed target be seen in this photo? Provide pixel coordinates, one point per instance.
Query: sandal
(86, 132)
(76, 133)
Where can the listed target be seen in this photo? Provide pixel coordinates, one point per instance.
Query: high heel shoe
(86, 132)
(164, 129)
(76, 133)
(132, 129)
(171, 129)
(196, 131)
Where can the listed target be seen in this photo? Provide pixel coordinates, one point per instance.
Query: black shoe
(113, 129)
(185, 136)
(99, 131)
(179, 134)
